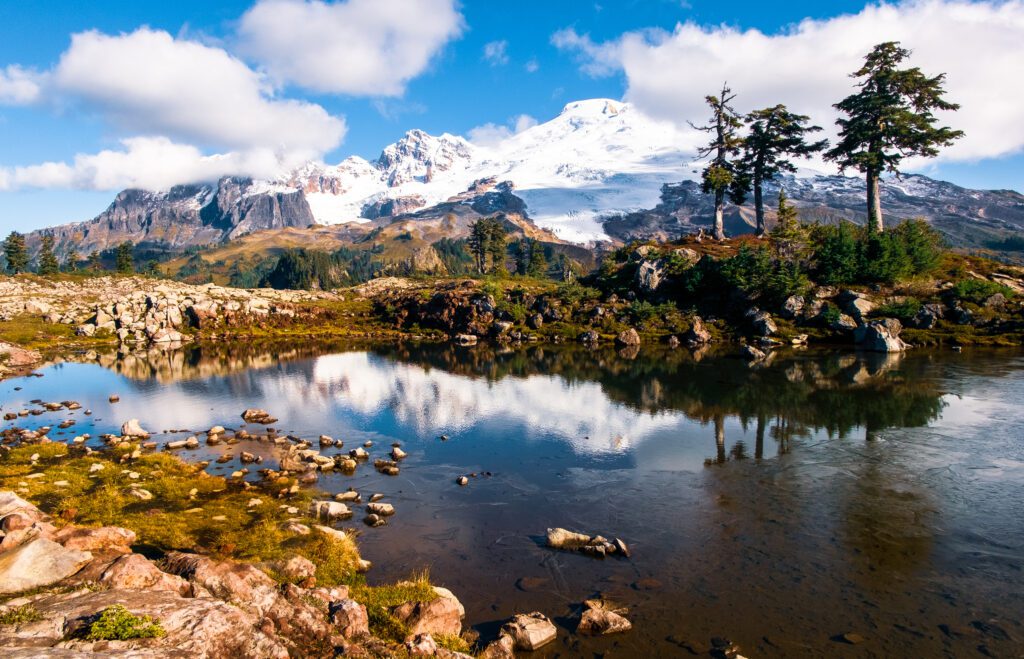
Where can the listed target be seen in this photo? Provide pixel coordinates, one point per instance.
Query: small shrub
(574, 292)
(117, 623)
(904, 310)
(19, 615)
(830, 314)
(978, 290)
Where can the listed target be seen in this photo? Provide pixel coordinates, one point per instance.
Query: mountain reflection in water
(781, 504)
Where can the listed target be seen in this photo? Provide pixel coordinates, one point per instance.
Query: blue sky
(458, 89)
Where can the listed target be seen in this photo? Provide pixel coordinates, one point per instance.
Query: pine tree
(775, 134)
(95, 261)
(725, 144)
(486, 242)
(123, 260)
(71, 261)
(790, 238)
(890, 118)
(47, 259)
(538, 266)
(15, 252)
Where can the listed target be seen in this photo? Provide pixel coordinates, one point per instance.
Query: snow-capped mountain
(600, 170)
(598, 157)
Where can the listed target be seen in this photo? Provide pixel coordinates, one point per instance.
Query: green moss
(117, 623)
(19, 615)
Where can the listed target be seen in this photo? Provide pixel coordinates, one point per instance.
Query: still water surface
(780, 506)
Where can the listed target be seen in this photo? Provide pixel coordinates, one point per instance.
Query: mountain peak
(594, 107)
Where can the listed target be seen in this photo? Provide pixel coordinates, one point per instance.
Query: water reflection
(596, 403)
(779, 505)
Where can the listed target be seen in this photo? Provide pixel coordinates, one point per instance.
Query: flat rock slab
(38, 563)
(199, 627)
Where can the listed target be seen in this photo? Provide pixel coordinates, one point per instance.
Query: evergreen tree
(790, 238)
(890, 118)
(47, 259)
(775, 134)
(71, 261)
(123, 260)
(153, 268)
(486, 242)
(538, 266)
(15, 252)
(522, 256)
(95, 261)
(718, 176)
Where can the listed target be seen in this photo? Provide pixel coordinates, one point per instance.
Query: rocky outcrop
(184, 216)
(37, 563)
(138, 310)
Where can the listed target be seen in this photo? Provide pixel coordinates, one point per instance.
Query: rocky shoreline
(75, 584)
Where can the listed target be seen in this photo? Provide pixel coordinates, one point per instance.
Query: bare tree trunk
(720, 215)
(720, 439)
(759, 437)
(759, 208)
(874, 202)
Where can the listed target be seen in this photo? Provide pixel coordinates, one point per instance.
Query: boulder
(598, 620)
(238, 583)
(752, 353)
(762, 322)
(132, 428)
(421, 645)
(255, 415)
(37, 563)
(559, 538)
(382, 509)
(442, 615)
(792, 307)
(697, 335)
(350, 618)
(329, 510)
(136, 572)
(628, 337)
(294, 568)
(530, 631)
(18, 357)
(857, 305)
(103, 538)
(649, 275)
(880, 336)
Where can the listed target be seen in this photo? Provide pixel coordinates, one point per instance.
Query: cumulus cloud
(151, 163)
(149, 82)
(361, 47)
(492, 135)
(18, 86)
(496, 52)
(532, 66)
(978, 45)
(197, 113)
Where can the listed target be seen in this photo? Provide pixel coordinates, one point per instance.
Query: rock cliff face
(185, 216)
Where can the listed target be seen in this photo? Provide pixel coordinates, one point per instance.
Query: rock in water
(38, 563)
(562, 539)
(530, 631)
(599, 621)
(880, 336)
(132, 428)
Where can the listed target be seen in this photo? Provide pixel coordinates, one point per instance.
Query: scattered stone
(382, 509)
(442, 615)
(329, 510)
(462, 480)
(599, 620)
(398, 454)
(255, 415)
(628, 338)
(530, 631)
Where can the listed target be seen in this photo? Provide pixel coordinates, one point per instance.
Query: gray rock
(530, 631)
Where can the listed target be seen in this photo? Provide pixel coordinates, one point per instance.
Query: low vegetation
(116, 623)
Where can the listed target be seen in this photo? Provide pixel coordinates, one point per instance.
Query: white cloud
(980, 46)
(18, 86)
(149, 82)
(151, 163)
(532, 66)
(492, 135)
(361, 47)
(496, 52)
